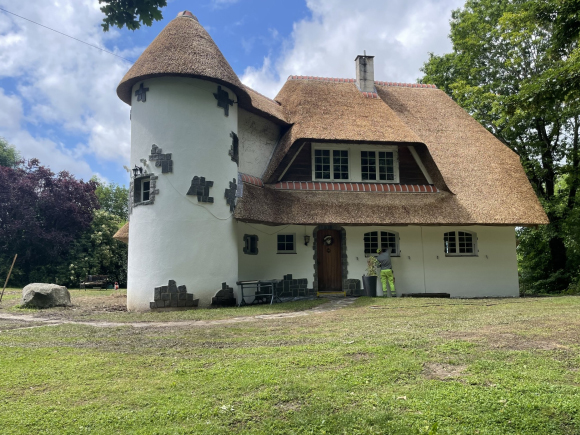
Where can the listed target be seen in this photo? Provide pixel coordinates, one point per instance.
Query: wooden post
(8, 277)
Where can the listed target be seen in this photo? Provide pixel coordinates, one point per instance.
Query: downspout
(423, 251)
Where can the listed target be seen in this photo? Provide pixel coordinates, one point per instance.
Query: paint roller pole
(8, 277)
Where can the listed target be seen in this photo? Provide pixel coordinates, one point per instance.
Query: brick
(160, 304)
(152, 305)
(165, 296)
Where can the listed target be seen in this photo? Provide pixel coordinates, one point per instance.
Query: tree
(131, 13)
(95, 252)
(113, 198)
(505, 69)
(8, 154)
(41, 214)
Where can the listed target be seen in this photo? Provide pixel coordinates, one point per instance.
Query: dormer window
(377, 165)
(330, 164)
(355, 163)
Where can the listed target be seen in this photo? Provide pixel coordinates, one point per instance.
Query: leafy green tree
(113, 198)
(8, 155)
(505, 70)
(95, 252)
(131, 13)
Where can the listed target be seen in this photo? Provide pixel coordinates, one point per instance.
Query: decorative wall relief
(223, 100)
(141, 93)
(234, 150)
(224, 297)
(171, 295)
(162, 161)
(142, 190)
(231, 196)
(200, 188)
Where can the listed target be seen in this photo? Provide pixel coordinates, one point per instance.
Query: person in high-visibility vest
(387, 278)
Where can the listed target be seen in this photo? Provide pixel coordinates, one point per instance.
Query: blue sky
(57, 96)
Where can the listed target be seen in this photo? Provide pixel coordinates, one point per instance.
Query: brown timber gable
(301, 167)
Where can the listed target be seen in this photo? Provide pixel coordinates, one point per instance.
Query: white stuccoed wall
(493, 273)
(258, 138)
(177, 238)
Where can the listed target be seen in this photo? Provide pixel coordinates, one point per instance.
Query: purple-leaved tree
(41, 213)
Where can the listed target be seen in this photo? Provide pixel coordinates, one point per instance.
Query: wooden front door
(329, 255)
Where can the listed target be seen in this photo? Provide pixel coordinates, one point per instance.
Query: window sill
(462, 255)
(285, 252)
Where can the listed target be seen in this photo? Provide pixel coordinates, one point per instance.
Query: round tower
(184, 120)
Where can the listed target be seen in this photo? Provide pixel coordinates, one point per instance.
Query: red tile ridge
(344, 186)
(405, 85)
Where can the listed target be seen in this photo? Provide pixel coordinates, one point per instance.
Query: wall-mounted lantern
(137, 170)
(306, 240)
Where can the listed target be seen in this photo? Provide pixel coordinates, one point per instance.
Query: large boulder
(40, 295)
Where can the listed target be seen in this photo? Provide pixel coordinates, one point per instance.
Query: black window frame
(288, 241)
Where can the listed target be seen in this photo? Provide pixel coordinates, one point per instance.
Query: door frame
(343, 255)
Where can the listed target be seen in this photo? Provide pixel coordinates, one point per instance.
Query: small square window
(286, 244)
(250, 244)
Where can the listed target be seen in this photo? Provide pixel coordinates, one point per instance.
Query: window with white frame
(286, 243)
(377, 165)
(383, 239)
(142, 189)
(331, 164)
(457, 243)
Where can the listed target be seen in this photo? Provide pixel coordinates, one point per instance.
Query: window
(142, 190)
(460, 243)
(388, 240)
(250, 244)
(286, 244)
(377, 165)
(326, 168)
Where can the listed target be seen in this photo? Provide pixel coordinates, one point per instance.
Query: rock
(40, 295)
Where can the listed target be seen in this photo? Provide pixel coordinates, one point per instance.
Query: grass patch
(379, 366)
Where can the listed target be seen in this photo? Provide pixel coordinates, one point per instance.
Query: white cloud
(62, 83)
(399, 33)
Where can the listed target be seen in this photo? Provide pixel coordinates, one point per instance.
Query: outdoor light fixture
(137, 170)
(306, 240)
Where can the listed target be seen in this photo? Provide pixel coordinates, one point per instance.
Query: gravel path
(332, 305)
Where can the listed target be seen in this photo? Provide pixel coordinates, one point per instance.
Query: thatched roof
(333, 111)
(481, 181)
(185, 49)
(123, 234)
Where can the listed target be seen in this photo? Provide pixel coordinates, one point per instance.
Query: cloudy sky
(57, 95)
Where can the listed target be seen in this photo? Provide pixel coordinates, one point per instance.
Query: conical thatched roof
(185, 49)
(123, 234)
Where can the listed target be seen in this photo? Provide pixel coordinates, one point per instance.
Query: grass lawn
(379, 366)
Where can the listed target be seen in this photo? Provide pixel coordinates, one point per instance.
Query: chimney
(365, 73)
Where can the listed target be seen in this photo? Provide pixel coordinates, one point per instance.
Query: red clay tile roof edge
(342, 187)
(355, 187)
(250, 179)
(381, 83)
